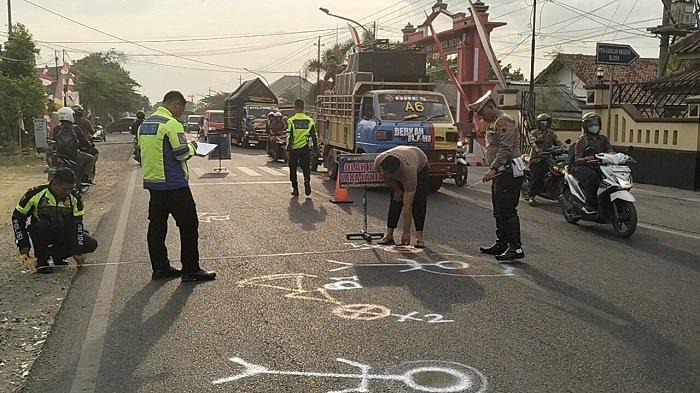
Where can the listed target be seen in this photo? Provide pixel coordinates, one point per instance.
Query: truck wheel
(331, 165)
(434, 184)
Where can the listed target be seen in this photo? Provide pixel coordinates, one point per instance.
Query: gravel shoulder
(29, 302)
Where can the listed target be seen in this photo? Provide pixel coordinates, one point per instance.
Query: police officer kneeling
(502, 146)
(56, 223)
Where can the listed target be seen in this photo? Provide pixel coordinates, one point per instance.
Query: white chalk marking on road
(209, 217)
(402, 318)
(668, 230)
(361, 312)
(463, 379)
(285, 169)
(297, 291)
(396, 249)
(557, 295)
(413, 265)
(86, 372)
(248, 171)
(238, 183)
(271, 171)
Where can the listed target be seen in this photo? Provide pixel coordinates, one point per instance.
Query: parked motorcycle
(556, 158)
(615, 202)
(460, 177)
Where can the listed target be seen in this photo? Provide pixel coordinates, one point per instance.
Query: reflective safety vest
(164, 152)
(299, 126)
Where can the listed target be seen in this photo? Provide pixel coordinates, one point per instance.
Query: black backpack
(66, 141)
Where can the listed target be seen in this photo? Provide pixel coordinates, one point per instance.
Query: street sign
(615, 54)
(357, 171)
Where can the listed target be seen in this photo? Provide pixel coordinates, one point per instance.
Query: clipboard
(203, 149)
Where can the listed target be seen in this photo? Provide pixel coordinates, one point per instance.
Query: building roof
(583, 66)
(688, 46)
(563, 104)
(288, 82)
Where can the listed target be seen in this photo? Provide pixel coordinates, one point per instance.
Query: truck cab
(213, 121)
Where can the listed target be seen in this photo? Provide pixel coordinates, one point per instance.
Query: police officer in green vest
(299, 128)
(164, 155)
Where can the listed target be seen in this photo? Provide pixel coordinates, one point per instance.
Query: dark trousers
(505, 195)
(180, 204)
(537, 171)
(590, 180)
(420, 203)
(299, 158)
(57, 243)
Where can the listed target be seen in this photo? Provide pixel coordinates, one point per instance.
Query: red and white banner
(355, 38)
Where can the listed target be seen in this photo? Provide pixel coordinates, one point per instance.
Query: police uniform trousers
(180, 204)
(56, 242)
(505, 195)
(420, 203)
(299, 158)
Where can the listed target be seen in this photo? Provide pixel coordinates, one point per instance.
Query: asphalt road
(296, 308)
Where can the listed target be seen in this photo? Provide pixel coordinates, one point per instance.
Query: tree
(514, 75)
(106, 88)
(21, 93)
(212, 102)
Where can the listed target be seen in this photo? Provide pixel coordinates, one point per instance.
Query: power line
(627, 17)
(610, 20)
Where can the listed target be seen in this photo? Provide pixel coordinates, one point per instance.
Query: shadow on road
(129, 325)
(667, 365)
(306, 213)
(437, 293)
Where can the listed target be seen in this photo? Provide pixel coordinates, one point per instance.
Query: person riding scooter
(587, 146)
(71, 143)
(544, 138)
(276, 129)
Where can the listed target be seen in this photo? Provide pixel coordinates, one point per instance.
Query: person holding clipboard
(164, 155)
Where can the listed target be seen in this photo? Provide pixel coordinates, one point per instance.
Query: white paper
(203, 149)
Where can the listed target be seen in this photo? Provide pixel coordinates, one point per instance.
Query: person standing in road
(300, 127)
(502, 146)
(56, 223)
(405, 169)
(545, 139)
(164, 155)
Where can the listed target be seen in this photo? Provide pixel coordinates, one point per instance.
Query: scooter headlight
(442, 157)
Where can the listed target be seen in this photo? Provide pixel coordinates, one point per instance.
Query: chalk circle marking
(361, 312)
(462, 378)
(452, 265)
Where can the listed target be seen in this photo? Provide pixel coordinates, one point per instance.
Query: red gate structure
(462, 40)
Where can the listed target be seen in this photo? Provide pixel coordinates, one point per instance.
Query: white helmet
(270, 114)
(278, 114)
(66, 114)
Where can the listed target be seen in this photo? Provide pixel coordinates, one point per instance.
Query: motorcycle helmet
(544, 119)
(66, 114)
(278, 114)
(271, 114)
(140, 115)
(77, 110)
(591, 123)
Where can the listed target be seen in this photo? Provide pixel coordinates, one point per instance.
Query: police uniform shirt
(502, 142)
(413, 160)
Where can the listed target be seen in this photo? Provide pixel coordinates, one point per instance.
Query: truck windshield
(425, 107)
(258, 112)
(216, 117)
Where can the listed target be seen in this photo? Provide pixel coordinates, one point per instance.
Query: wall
(565, 77)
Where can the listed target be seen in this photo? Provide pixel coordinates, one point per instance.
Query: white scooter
(615, 202)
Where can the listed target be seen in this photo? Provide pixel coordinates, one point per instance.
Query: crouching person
(55, 215)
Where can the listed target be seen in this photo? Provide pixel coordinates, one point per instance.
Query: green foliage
(21, 93)
(212, 102)
(436, 71)
(106, 88)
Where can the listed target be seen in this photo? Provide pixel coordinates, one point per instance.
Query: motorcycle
(99, 135)
(460, 177)
(277, 149)
(615, 202)
(556, 158)
(55, 161)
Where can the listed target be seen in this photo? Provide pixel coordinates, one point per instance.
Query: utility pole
(65, 85)
(300, 97)
(668, 28)
(532, 57)
(55, 54)
(318, 61)
(240, 79)
(9, 17)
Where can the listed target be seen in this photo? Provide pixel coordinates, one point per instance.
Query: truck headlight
(450, 157)
(442, 157)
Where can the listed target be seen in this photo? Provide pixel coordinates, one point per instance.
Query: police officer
(544, 138)
(56, 229)
(300, 127)
(587, 146)
(164, 155)
(502, 146)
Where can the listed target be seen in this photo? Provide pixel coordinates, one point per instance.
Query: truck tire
(331, 165)
(434, 184)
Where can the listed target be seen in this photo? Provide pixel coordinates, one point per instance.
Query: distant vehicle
(193, 123)
(120, 125)
(213, 121)
(246, 113)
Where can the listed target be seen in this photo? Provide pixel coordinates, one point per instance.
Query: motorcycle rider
(134, 128)
(545, 138)
(85, 126)
(276, 128)
(71, 143)
(590, 143)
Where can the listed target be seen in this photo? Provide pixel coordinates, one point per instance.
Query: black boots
(307, 188)
(511, 254)
(295, 192)
(200, 275)
(497, 248)
(507, 246)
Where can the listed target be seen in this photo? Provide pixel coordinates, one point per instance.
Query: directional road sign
(615, 54)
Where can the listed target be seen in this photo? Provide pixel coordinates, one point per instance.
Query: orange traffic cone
(341, 194)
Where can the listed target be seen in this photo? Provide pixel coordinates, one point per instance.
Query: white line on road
(668, 230)
(271, 171)
(239, 183)
(85, 378)
(199, 171)
(248, 171)
(557, 295)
